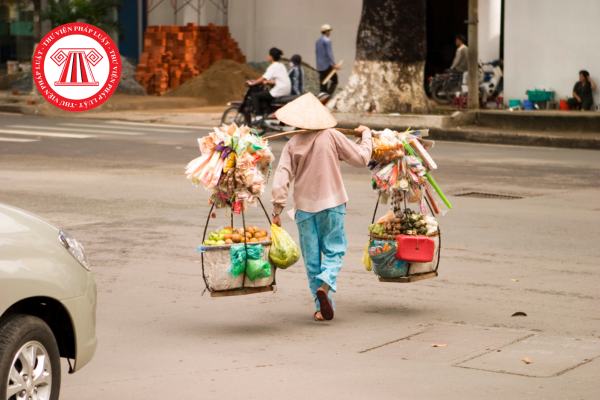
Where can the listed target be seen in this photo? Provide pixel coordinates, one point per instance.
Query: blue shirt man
(325, 60)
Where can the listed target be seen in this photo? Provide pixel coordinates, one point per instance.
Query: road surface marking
(123, 127)
(31, 133)
(78, 130)
(165, 125)
(5, 139)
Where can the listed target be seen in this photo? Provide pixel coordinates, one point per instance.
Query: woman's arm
(592, 84)
(284, 175)
(357, 155)
(257, 81)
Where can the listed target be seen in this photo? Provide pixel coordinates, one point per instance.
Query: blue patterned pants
(323, 243)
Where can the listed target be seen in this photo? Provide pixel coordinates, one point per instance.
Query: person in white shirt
(276, 75)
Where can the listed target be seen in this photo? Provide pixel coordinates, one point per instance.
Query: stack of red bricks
(175, 54)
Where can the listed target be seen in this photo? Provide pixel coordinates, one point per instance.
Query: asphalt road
(121, 191)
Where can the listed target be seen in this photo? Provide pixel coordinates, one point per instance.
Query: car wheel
(29, 359)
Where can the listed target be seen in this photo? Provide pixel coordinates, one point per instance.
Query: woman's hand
(362, 128)
(277, 221)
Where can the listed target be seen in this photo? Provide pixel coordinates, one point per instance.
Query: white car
(47, 306)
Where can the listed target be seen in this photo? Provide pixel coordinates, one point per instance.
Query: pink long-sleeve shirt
(312, 162)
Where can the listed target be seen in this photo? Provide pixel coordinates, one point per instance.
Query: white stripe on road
(124, 127)
(165, 125)
(6, 139)
(31, 133)
(77, 130)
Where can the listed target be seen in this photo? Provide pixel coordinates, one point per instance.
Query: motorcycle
(443, 87)
(243, 113)
(490, 84)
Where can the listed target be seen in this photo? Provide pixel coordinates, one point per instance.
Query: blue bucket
(528, 105)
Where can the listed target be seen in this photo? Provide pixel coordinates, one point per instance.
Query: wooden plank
(328, 77)
(241, 292)
(292, 133)
(408, 279)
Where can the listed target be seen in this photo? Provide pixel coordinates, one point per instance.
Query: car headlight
(74, 247)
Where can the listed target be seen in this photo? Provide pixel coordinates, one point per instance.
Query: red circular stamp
(76, 67)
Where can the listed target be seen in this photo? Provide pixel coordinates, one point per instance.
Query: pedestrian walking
(296, 74)
(325, 61)
(312, 162)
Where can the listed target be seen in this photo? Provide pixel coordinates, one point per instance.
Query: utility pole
(473, 80)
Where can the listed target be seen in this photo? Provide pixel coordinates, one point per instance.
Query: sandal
(325, 303)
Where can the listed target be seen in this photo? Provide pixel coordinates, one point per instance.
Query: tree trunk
(391, 48)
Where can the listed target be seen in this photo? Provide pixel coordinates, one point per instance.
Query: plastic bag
(284, 252)
(387, 217)
(384, 263)
(256, 267)
(366, 259)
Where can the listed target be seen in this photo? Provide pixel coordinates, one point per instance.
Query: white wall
(293, 26)
(488, 30)
(547, 42)
(163, 14)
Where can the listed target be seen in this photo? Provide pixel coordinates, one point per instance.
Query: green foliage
(94, 12)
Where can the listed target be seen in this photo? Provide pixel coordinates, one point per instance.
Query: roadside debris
(519, 314)
(439, 345)
(526, 360)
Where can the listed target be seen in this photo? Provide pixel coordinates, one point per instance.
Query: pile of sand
(222, 82)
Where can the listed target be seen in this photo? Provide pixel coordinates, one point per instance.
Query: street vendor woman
(312, 162)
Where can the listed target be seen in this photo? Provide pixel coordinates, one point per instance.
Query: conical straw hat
(306, 112)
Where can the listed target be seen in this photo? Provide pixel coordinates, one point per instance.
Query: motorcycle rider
(276, 74)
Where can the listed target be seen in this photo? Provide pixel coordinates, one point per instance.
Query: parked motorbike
(490, 84)
(444, 86)
(243, 113)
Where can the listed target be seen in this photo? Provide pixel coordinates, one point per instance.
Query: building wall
(293, 26)
(547, 42)
(488, 30)
(162, 13)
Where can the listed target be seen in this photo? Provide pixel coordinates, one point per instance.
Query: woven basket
(217, 264)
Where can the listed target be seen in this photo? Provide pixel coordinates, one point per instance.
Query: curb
(18, 109)
(567, 142)
(516, 139)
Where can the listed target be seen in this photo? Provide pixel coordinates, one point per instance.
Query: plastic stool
(459, 102)
(551, 105)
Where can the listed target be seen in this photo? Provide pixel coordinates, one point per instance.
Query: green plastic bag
(256, 267)
(284, 252)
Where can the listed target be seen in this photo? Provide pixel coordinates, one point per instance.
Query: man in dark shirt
(296, 74)
(582, 92)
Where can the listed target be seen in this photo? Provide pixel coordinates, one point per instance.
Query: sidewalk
(565, 129)
(561, 129)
